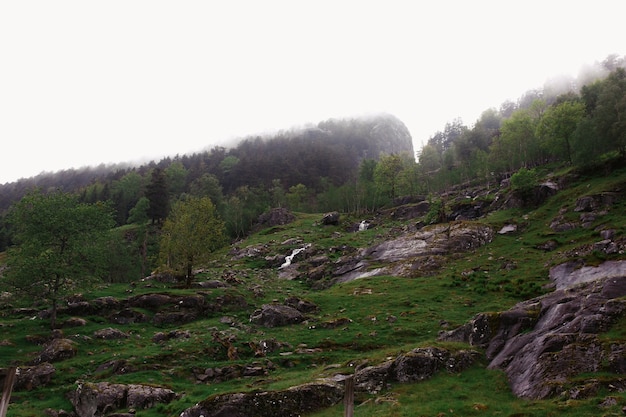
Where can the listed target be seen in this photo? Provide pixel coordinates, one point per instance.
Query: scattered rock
(75, 322)
(57, 350)
(331, 218)
(99, 399)
(549, 245)
(211, 284)
(176, 317)
(595, 202)
(335, 323)
(509, 228)
(252, 251)
(128, 316)
(174, 334)
(227, 373)
(607, 234)
(116, 367)
(303, 306)
(274, 315)
(152, 302)
(276, 217)
(31, 377)
(110, 333)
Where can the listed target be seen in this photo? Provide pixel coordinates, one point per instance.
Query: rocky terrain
(243, 308)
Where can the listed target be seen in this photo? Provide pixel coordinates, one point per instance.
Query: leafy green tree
(610, 112)
(243, 208)
(191, 233)
(279, 197)
(523, 183)
(139, 213)
(59, 245)
(125, 193)
(297, 197)
(157, 194)
(557, 127)
(387, 174)
(517, 145)
(208, 186)
(176, 177)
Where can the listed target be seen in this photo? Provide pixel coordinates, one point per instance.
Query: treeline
(575, 126)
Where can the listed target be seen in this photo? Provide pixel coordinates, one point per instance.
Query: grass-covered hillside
(216, 349)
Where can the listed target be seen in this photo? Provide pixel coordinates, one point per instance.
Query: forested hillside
(297, 164)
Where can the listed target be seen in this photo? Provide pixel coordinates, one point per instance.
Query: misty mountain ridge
(344, 141)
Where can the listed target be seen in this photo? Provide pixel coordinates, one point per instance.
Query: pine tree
(157, 194)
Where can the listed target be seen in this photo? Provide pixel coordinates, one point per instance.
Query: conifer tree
(157, 194)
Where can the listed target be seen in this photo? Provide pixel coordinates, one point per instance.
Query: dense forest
(361, 164)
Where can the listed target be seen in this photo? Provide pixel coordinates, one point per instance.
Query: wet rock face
(544, 342)
(414, 252)
(292, 402)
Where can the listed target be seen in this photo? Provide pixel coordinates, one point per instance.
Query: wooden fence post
(348, 400)
(9, 378)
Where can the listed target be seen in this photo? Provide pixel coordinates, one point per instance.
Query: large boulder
(99, 399)
(331, 218)
(31, 377)
(276, 315)
(276, 217)
(152, 302)
(56, 350)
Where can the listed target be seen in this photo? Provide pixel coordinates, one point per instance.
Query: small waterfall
(289, 258)
(363, 225)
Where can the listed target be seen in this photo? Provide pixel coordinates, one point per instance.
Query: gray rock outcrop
(543, 343)
(421, 251)
(99, 399)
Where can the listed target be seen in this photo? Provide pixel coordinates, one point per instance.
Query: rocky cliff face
(392, 135)
(369, 136)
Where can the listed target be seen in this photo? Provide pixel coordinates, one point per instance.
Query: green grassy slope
(379, 318)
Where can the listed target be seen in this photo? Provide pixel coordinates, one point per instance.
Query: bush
(523, 182)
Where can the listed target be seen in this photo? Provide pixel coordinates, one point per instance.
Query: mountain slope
(251, 327)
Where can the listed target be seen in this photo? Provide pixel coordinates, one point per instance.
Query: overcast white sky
(87, 82)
